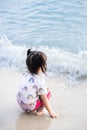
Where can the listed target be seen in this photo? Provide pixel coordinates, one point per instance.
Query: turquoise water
(52, 23)
(57, 27)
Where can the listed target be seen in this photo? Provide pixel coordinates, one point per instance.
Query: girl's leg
(39, 105)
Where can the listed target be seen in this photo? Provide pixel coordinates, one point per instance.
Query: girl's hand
(47, 106)
(53, 114)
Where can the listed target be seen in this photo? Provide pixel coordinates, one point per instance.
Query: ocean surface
(56, 27)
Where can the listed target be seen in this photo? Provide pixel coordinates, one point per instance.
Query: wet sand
(68, 100)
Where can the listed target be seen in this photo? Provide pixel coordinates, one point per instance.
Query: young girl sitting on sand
(33, 95)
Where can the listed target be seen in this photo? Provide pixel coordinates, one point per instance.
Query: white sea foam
(11, 56)
(59, 60)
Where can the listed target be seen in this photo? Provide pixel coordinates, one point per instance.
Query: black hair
(36, 60)
(28, 51)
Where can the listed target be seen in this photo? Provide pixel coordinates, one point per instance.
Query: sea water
(56, 27)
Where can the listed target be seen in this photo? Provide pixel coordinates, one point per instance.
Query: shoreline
(68, 100)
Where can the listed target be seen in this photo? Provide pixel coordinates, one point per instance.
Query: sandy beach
(68, 100)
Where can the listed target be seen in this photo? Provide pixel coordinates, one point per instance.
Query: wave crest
(59, 60)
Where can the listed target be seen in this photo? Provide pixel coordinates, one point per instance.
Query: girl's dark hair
(36, 60)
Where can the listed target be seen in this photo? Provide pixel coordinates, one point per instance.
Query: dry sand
(69, 101)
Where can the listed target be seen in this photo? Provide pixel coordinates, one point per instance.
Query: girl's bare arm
(47, 106)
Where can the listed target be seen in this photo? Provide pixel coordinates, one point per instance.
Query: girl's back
(31, 87)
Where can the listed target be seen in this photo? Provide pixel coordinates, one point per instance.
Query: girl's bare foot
(39, 113)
